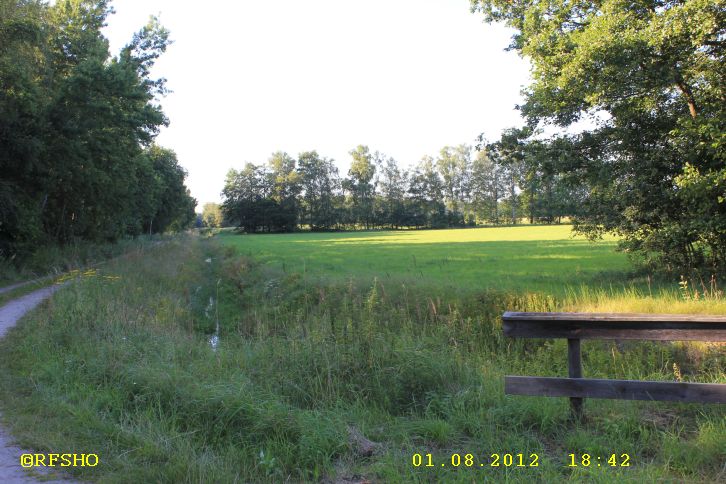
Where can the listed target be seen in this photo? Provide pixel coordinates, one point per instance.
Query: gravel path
(21, 284)
(10, 470)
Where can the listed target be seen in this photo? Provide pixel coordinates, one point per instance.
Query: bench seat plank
(615, 389)
(667, 327)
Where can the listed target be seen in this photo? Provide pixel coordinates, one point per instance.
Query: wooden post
(574, 364)
(578, 326)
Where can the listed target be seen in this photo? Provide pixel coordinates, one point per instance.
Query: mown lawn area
(525, 258)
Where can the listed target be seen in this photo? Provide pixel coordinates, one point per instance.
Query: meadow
(341, 357)
(525, 258)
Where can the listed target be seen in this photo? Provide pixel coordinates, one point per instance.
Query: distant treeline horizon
(460, 187)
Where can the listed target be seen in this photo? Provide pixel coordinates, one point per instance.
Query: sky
(251, 77)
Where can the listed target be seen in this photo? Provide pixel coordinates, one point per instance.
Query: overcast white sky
(250, 77)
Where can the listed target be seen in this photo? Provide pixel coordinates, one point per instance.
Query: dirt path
(10, 470)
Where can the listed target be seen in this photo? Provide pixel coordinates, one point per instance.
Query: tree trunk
(688, 94)
(496, 202)
(531, 202)
(514, 208)
(61, 221)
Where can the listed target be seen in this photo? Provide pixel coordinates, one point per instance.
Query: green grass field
(337, 358)
(528, 258)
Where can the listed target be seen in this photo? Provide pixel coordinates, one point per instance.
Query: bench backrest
(669, 327)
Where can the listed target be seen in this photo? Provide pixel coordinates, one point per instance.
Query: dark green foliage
(532, 173)
(651, 74)
(249, 201)
(361, 186)
(76, 130)
(320, 182)
(172, 205)
(450, 191)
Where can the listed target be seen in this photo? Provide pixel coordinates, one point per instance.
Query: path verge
(11, 471)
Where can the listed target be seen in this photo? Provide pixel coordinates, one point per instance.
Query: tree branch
(688, 94)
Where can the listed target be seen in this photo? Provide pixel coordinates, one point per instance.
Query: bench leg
(574, 363)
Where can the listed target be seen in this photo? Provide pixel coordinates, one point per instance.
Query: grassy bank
(52, 260)
(309, 375)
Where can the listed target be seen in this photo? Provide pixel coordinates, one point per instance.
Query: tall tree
(509, 152)
(320, 182)
(487, 186)
(426, 192)
(393, 184)
(360, 184)
(453, 165)
(212, 215)
(174, 205)
(22, 105)
(74, 126)
(286, 188)
(656, 165)
(247, 198)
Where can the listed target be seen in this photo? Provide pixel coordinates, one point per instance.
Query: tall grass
(120, 364)
(55, 259)
(677, 300)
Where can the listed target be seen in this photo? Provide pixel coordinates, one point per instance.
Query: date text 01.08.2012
(472, 460)
(516, 460)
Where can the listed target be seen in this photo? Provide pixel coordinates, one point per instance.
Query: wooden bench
(618, 326)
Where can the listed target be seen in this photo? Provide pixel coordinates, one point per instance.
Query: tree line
(77, 129)
(497, 184)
